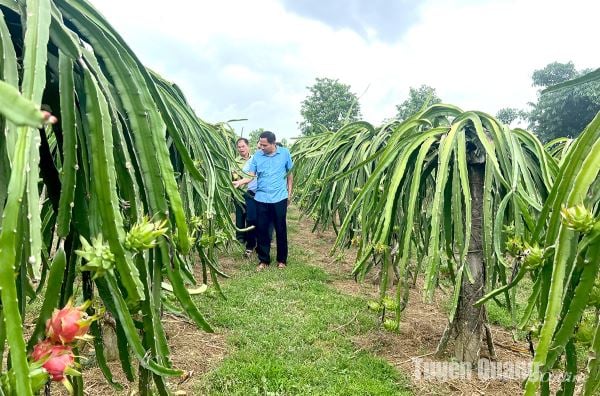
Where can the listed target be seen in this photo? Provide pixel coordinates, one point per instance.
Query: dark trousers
(245, 216)
(274, 213)
(240, 220)
(250, 236)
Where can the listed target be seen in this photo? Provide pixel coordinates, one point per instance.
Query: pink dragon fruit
(60, 362)
(69, 323)
(57, 360)
(41, 349)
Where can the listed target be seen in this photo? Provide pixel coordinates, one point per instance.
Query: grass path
(290, 332)
(306, 331)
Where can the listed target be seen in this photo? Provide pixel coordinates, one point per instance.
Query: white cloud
(241, 74)
(254, 59)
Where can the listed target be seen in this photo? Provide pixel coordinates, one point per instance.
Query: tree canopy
(509, 114)
(253, 137)
(563, 112)
(417, 97)
(331, 104)
(554, 73)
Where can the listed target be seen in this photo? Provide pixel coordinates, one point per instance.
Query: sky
(254, 59)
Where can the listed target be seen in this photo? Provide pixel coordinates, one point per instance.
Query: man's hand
(243, 181)
(290, 183)
(49, 118)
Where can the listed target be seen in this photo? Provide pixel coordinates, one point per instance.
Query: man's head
(267, 142)
(242, 147)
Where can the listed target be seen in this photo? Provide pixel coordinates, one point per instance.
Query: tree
(509, 114)
(440, 195)
(330, 104)
(424, 95)
(563, 112)
(253, 137)
(554, 73)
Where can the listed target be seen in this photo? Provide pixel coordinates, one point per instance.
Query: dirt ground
(421, 328)
(193, 351)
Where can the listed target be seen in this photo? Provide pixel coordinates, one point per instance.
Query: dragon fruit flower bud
(99, 259)
(533, 256)
(578, 218)
(143, 235)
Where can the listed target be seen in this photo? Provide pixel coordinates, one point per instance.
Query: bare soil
(192, 350)
(421, 327)
(197, 352)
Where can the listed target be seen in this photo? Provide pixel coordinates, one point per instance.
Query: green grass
(500, 315)
(290, 334)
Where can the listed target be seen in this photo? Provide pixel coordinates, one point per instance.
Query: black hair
(270, 136)
(242, 140)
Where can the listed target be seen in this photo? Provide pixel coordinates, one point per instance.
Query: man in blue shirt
(271, 166)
